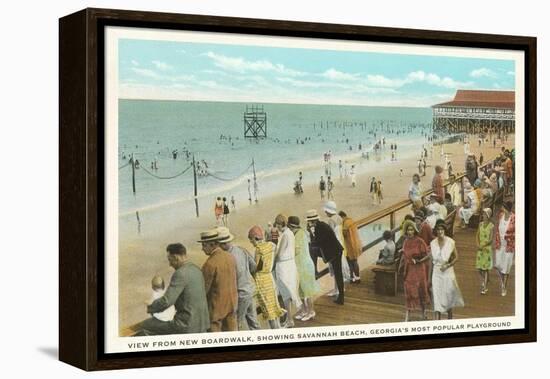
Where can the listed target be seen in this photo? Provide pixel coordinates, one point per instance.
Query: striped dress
(266, 292)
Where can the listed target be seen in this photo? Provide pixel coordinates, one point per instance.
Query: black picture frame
(81, 183)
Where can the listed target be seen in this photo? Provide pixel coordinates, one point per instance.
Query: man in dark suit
(331, 250)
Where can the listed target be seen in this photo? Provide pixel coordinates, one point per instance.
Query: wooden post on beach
(133, 175)
(195, 186)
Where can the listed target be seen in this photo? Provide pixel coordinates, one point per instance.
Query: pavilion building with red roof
(476, 111)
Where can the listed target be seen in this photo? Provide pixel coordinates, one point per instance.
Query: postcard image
(274, 190)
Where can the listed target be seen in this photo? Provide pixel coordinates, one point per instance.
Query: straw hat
(209, 236)
(312, 215)
(488, 212)
(330, 207)
(224, 235)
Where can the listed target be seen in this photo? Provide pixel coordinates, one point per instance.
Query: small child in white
(157, 284)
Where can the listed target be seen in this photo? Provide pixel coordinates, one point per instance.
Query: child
(157, 284)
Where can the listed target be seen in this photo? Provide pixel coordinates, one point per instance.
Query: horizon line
(273, 102)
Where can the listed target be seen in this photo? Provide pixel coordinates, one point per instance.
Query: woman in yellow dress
(266, 293)
(484, 256)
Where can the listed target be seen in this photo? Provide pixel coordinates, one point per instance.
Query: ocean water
(213, 133)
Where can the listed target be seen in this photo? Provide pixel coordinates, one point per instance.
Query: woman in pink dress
(415, 270)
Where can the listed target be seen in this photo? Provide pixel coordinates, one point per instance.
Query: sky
(169, 70)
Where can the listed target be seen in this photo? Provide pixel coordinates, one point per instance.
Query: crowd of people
(278, 281)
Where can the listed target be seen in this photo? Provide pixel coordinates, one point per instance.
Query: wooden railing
(393, 209)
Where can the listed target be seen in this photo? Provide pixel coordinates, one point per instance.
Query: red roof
(481, 98)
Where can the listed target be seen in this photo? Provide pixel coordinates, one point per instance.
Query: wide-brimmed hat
(406, 225)
(312, 215)
(330, 207)
(293, 221)
(488, 212)
(209, 236)
(224, 235)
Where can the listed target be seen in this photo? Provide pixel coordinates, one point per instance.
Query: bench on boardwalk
(387, 281)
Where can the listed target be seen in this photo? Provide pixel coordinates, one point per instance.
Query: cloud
(416, 77)
(482, 73)
(134, 62)
(511, 73)
(242, 65)
(162, 65)
(334, 74)
(147, 73)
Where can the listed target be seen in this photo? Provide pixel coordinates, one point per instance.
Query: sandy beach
(142, 256)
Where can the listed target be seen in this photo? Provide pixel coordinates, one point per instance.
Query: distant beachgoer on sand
(420, 166)
(374, 190)
(233, 202)
(322, 187)
(330, 188)
(415, 192)
(225, 212)
(424, 167)
(340, 168)
(218, 210)
(249, 193)
(379, 192)
(352, 174)
(400, 172)
(159, 288)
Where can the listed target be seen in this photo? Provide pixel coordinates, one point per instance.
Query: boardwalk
(363, 306)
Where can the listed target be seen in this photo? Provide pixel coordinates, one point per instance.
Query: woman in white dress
(286, 273)
(471, 207)
(446, 293)
(455, 191)
(505, 238)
